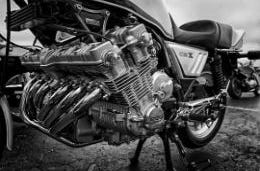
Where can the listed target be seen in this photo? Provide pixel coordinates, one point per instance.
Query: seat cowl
(237, 38)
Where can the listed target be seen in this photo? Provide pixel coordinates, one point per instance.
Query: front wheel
(234, 89)
(2, 133)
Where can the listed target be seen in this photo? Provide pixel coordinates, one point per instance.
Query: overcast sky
(238, 13)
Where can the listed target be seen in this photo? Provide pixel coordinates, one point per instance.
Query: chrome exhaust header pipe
(27, 120)
(77, 111)
(34, 88)
(64, 105)
(25, 98)
(50, 85)
(56, 97)
(83, 96)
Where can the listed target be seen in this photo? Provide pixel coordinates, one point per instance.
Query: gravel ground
(236, 147)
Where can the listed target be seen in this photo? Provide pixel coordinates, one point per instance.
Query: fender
(8, 121)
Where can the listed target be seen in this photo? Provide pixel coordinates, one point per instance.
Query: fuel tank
(152, 11)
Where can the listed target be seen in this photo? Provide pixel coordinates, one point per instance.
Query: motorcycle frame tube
(8, 121)
(142, 16)
(60, 139)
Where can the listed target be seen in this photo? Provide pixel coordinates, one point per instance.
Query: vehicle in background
(245, 79)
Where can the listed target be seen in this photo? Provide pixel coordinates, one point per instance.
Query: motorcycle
(244, 79)
(119, 71)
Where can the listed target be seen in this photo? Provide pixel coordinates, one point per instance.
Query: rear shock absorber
(219, 81)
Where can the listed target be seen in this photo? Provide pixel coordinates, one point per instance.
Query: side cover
(191, 60)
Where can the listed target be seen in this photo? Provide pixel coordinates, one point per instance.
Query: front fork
(4, 106)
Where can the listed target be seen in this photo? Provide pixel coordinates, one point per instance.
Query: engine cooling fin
(88, 91)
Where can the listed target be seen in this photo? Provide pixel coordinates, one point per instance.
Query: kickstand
(191, 166)
(165, 138)
(134, 160)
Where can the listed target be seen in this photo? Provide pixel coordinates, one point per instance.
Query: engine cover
(107, 87)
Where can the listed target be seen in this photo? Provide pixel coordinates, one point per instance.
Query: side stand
(165, 136)
(167, 151)
(134, 160)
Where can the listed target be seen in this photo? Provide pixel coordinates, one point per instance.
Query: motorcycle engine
(87, 92)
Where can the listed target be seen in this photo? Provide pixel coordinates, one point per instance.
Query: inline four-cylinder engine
(88, 92)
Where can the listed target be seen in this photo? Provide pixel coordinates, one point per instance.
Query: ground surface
(236, 147)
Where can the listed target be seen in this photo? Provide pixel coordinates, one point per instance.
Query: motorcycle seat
(205, 33)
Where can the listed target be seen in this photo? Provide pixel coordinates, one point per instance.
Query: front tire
(234, 89)
(2, 133)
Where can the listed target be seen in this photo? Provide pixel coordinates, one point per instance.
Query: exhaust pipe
(36, 98)
(77, 111)
(83, 102)
(64, 105)
(56, 97)
(43, 90)
(25, 97)
(33, 89)
(46, 131)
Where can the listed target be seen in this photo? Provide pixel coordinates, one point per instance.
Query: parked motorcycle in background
(244, 79)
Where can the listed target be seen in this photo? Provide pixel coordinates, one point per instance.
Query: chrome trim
(8, 121)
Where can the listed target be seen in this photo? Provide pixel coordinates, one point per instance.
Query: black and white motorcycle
(118, 71)
(244, 79)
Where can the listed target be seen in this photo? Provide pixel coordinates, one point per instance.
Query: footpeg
(201, 113)
(201, 110)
